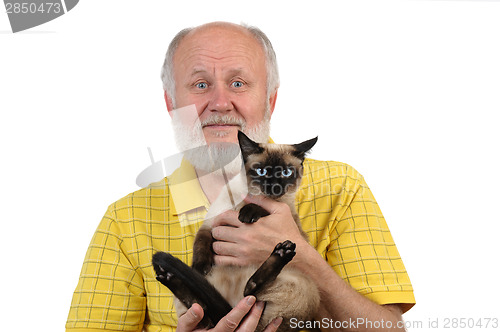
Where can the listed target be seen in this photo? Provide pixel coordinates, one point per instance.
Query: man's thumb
(190, 319)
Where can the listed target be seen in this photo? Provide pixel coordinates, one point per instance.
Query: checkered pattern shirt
(117, 289)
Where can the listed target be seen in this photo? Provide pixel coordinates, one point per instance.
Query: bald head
(219, 26)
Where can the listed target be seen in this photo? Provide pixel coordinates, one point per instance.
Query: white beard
(190, 140)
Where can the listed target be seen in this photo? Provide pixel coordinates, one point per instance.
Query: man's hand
(232, 321)
(243, 244)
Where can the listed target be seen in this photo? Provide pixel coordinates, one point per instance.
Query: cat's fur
(275, 171)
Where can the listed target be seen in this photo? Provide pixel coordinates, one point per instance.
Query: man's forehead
(202, 70)
(219, 40)
(199, 55)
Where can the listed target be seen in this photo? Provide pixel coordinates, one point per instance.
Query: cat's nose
(274, 190)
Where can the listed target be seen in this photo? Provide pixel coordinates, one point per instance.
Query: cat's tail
(189, 286)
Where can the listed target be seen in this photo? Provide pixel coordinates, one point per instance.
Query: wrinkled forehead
(219, 44)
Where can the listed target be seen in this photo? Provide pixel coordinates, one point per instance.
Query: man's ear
(168, 101)
(272, 101)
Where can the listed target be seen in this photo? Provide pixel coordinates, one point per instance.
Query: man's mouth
(222, 123)
(221, 126)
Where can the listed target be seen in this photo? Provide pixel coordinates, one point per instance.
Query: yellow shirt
(117, 289)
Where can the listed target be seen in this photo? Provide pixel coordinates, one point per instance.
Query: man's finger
(231, 321)
(252, 319)
(221, 247)
(190, 319)
(268, 204)
(273, 326)
(225, 233)
(227, 218)
(227, 260)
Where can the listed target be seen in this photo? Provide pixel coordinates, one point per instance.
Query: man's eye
(201, 85)
(237, 84)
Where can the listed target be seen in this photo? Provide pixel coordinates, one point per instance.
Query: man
(229, 73)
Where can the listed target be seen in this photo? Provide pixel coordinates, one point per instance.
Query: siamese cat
(275, 171)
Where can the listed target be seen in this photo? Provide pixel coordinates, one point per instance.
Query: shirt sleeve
(362, 250)
(110, 292)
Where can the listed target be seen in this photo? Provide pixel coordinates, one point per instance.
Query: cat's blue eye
(261, 171)
(287, 172)
(237, 84)
(201, 85)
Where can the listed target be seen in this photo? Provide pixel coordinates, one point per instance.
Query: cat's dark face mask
(273, 181)
(273, 170)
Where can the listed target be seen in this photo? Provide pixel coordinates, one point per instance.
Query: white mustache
(223, 120)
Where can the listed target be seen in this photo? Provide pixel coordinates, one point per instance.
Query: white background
(404, 91)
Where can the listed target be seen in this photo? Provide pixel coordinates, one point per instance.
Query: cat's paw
(284, 251)
(164, 277)
(204, 267)
(250, 213)
(161, 267)
(265, 275)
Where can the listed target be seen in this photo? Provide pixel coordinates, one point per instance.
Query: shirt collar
(185, 189)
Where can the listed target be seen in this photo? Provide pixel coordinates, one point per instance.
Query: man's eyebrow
(236, 71)
(196, 71)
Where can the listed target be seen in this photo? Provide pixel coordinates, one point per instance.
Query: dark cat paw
(161, 267)
(265, 275)
(204, 267)
(285, 251)
(164, 276)
(250, 213)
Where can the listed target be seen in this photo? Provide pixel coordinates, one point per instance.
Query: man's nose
(221, 100)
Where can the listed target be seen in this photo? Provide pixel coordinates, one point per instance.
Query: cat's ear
(302, 148)
(248, 146)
